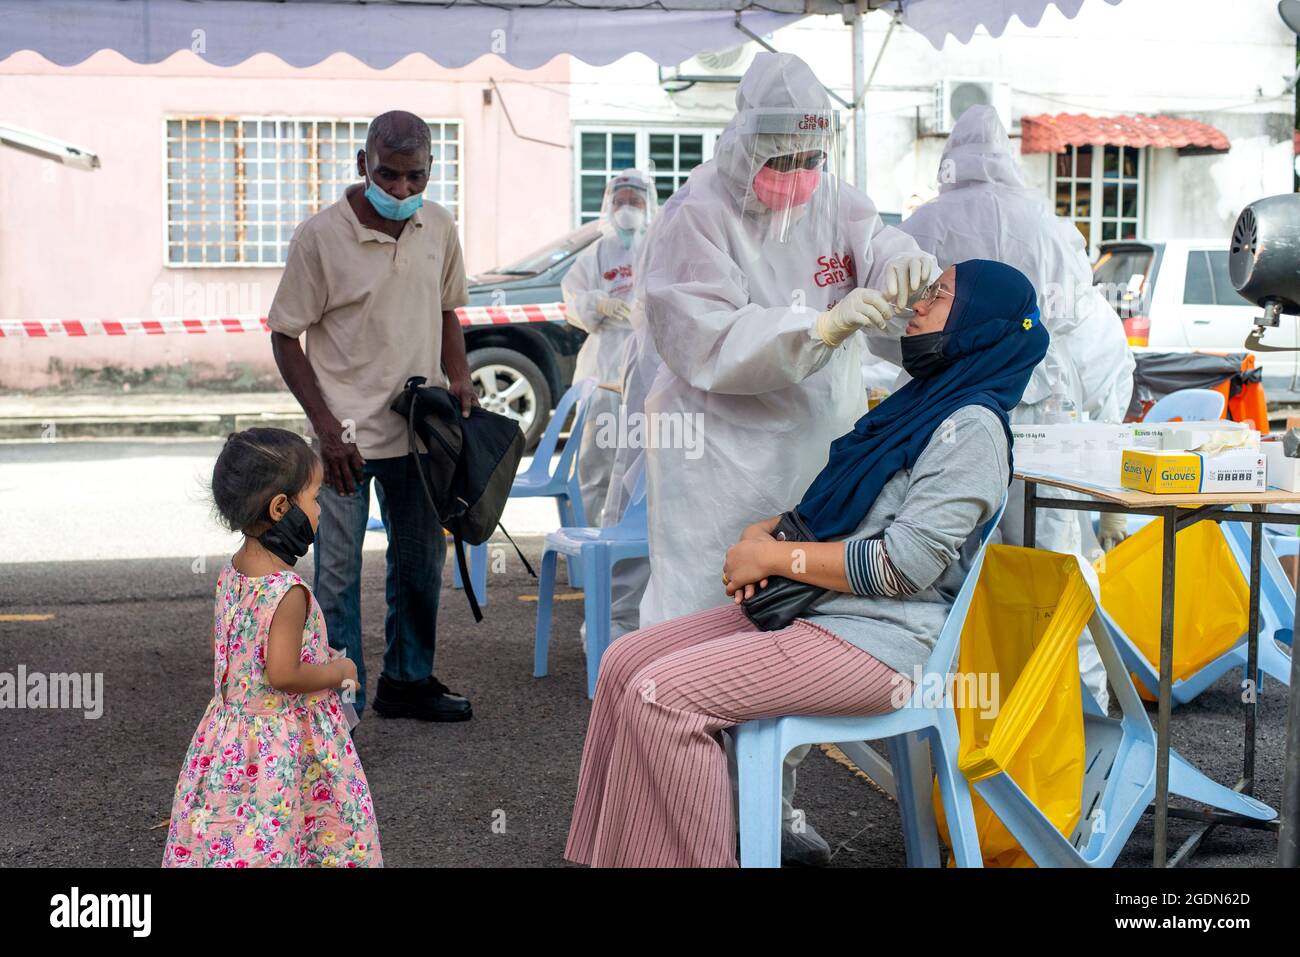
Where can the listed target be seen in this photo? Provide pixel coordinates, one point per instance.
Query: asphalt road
(97, 792)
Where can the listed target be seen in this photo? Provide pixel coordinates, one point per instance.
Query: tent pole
(859, 100)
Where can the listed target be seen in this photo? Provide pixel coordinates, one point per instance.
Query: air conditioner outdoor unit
(952, 95)
(721, 66)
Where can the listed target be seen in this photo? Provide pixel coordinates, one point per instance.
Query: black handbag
(784, 599)
(469, 470)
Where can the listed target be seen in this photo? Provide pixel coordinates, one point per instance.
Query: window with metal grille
(237, 187)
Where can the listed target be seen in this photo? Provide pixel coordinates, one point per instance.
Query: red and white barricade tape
(504, 315)
(77, 328)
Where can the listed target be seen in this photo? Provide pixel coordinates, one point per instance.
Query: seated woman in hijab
(895, 518)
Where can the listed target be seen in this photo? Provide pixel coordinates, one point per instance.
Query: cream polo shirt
(372, 309)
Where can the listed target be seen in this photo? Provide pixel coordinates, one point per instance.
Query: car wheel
(510, 384)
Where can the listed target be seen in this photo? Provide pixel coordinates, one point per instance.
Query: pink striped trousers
(653, 789)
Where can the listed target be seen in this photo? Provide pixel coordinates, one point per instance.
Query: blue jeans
(416, 551)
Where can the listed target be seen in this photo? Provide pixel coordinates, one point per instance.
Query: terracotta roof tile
(1052, 134)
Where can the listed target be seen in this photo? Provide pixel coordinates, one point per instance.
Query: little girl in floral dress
(271, 778)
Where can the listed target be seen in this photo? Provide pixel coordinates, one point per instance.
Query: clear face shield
(630, 204)
(794, 173)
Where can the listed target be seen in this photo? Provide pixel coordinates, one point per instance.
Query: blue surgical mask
(389, 207)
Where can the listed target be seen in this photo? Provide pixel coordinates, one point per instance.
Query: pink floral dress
(271, 779)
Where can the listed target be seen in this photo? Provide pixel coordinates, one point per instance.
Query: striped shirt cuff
(870, 572)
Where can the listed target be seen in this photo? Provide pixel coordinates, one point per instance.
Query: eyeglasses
(931, 293)
(784, 164)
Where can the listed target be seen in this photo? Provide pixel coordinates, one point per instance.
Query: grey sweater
(930, 518)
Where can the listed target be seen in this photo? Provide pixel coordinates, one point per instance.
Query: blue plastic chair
(1284, 545)
(1190, 405)
(761, 746)
(541, 480)
(1276, 604)
(597, 549)
(1276, 608)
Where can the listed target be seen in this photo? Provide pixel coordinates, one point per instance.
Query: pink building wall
(89, 245)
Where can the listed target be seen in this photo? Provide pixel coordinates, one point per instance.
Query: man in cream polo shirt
(374, 281)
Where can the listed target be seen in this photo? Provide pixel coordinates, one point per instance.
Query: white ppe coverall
(755, 399)
(748, 397)
(598, 299)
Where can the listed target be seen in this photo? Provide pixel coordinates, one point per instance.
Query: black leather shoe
(427, 700)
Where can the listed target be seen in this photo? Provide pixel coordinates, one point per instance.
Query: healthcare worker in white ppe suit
(629, 577)
(985, 211)
(639, 364)
(598, 299)
(755, 287)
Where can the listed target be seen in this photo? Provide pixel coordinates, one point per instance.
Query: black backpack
(470, 469)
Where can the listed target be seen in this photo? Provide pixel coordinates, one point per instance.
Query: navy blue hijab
(995, 335)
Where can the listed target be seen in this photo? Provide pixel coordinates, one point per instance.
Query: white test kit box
(1283, 472)
(1073, 436)
(1089, 451)
(1178, 436)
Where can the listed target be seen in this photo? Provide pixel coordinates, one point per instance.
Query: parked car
(522, 365)
(1175, 296)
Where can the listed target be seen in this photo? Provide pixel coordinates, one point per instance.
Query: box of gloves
(1167, 472)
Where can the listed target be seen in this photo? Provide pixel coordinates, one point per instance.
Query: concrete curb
(54, 427)
(50, 416)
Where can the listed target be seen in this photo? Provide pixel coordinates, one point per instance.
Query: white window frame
(1098, 182)
(643, 132)
(448, 122)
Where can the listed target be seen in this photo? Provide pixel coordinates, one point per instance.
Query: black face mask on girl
(923, 354)
(290, 537)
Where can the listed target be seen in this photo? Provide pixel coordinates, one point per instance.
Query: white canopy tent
(526, 33)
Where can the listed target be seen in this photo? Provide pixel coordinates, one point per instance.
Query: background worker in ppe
(985, 211)
(597, 299)
(640, 365)
(755, 285)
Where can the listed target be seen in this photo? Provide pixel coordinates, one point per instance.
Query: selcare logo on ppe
(833, 270)
(814, 121)
(618, 272)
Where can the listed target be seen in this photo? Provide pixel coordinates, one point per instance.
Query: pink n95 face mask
(784, 190)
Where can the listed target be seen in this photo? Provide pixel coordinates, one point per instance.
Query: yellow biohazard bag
(1020, 639)
(1211, 597)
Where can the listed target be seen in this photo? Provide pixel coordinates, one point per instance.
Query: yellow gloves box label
(1236, 470)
